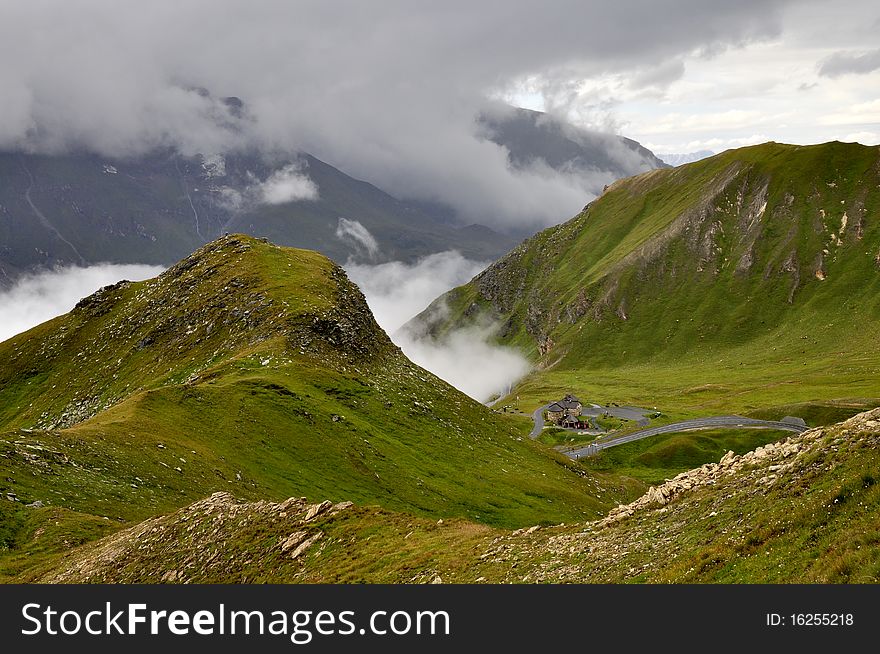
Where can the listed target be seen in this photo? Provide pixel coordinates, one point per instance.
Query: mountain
(82, 209)
(804, 510)
(745, 282)
(688, 157)
(256, 370)
(533, 136)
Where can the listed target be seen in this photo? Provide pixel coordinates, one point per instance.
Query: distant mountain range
(688, 157)
(83, 208)
(80, 209)
(532, 136)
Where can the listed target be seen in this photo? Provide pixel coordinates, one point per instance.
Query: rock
(317, 509)
(35, 505)
(293, 540)
(655, 496)
(437, 580)
(727, 459)
(292, 503)
(304, 545)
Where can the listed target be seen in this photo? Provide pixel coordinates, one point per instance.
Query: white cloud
(39, 297)
(865, 138)
(355, 234)
(289, 184)
(465, 358)
(398, 291)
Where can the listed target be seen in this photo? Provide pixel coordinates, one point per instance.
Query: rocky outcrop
(649, 537)
(210, 539)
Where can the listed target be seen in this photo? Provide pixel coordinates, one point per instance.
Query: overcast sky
(388, 90)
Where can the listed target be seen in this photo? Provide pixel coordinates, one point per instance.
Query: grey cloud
(386, 91)
(845, 63)
(661, 75)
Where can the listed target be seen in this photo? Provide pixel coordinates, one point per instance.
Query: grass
(658, 458)
(695, 289)
(256, 370)
(810, 516)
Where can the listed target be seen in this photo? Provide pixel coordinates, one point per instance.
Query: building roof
(556, 407)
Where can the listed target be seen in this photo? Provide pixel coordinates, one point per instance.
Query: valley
(746, 283)
(242, 417)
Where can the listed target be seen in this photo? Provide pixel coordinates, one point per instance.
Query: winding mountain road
(714, 422)
(538, 419)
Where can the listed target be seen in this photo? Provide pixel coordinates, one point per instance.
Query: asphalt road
(538, 418)
(731, 422)
(633, 413)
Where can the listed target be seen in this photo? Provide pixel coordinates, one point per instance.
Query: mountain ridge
(259, 370)
(740, 258)
(81, 209)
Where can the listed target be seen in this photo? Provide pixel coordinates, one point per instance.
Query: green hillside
(256, 370)
(747, 282)
(805, 510)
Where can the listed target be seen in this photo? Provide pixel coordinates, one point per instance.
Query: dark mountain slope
(79, 209)
(533, 135)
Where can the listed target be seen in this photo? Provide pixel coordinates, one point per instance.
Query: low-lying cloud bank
(398, 291)
(42, 296)
(465, 358)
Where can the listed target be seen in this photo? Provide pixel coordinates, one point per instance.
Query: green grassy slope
(804, 510)
(257, 370)
(740, 282)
